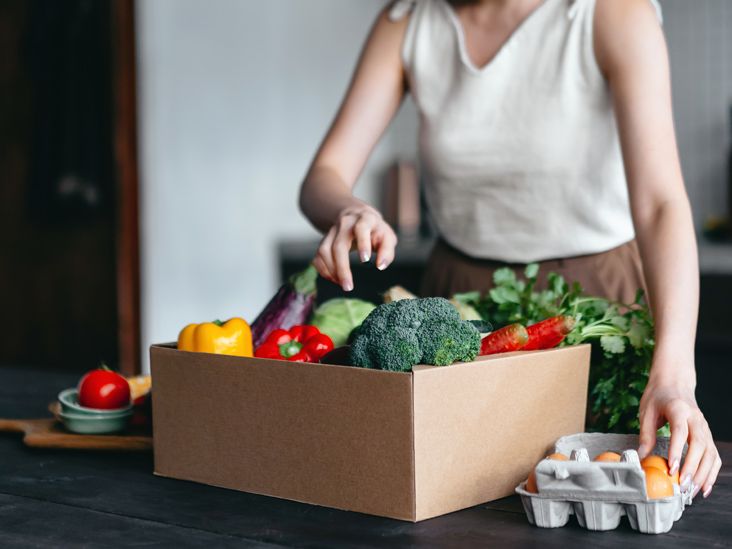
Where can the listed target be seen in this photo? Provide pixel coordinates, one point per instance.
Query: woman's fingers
(386, 244)
(362, 231)
(321, 268)
(693, 456)
(369, 232)
(704, 470)
(341, 249)
(648, 427)
(712, 478)
(679, 423)
(323, 261)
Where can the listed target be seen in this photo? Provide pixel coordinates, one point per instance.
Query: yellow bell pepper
(233, 337)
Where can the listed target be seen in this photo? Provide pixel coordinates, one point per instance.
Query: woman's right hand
(363, 226)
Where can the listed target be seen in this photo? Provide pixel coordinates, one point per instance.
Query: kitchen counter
(73, 498)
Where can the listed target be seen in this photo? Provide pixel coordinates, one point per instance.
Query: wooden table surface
(78, 499)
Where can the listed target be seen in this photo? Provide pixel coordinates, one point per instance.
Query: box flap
(330, 435)
(500, 413)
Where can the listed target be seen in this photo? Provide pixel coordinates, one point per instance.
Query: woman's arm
(326, 198)
(631, 51)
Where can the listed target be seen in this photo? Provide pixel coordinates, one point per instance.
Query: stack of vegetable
(281, 330)
(621, 334)
(406, 330)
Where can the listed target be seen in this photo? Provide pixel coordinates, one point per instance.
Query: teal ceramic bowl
(91, 425)
(69, 400)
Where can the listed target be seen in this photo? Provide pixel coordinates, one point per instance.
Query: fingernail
(365, 257)
(348, 286)
(707, 492)
(685, 482)
(695, 490)
(674, 467)
(381, 266)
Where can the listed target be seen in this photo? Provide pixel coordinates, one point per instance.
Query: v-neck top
(520, 158)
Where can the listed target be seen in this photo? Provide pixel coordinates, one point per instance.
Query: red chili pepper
(548, 333)
(302, 343)
(509, 338)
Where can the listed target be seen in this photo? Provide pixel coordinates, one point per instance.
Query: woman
(546, 134)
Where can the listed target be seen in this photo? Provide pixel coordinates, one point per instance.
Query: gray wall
(235, 96)
(699, 35)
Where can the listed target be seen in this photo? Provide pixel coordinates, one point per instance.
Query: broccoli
(400, 334)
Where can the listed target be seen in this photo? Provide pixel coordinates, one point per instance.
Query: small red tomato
(104, 389)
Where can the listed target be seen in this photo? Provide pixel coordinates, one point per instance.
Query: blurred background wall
(234, 98)
(699, 36)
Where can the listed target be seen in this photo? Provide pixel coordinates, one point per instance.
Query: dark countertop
(75, 499)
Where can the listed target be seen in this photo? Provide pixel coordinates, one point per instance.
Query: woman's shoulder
(625, 31)
(609, 11)
(400, 9)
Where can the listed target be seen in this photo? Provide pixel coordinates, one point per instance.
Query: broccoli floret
(400, 334)
(445, 342)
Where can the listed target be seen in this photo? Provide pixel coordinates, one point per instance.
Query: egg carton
(600, 493)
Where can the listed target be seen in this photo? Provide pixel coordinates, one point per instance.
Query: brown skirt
(616, 274)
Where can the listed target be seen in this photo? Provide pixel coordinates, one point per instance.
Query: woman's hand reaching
(677, 405)
(363, 227)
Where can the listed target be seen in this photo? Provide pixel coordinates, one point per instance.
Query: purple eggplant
(292, 304)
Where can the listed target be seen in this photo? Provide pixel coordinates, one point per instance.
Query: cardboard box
(409, 446)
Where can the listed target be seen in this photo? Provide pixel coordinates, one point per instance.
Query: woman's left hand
(668, 402)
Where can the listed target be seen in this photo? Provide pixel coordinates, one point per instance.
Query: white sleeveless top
(521, 158)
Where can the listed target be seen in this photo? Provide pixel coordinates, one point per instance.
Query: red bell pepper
(298, 344)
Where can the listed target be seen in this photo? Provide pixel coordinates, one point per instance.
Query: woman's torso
(521, 158)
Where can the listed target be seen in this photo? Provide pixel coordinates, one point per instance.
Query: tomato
(104, 389)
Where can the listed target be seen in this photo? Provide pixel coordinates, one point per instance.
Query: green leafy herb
(621, 336)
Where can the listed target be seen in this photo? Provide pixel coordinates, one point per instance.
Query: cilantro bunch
(621, 336)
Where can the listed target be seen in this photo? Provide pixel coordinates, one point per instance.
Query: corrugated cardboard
(403, 445)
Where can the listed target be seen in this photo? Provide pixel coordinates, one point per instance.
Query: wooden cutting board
(50, 433)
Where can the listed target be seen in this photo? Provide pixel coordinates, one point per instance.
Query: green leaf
(531, 270)
(614, 418)
(638, 334)
(503, 294)
(613, 344)
(504, 276)
(556, 283)
(467, 298)
(621, 322)
(638, 385)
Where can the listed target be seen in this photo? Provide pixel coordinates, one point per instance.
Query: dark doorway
(68, 229)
